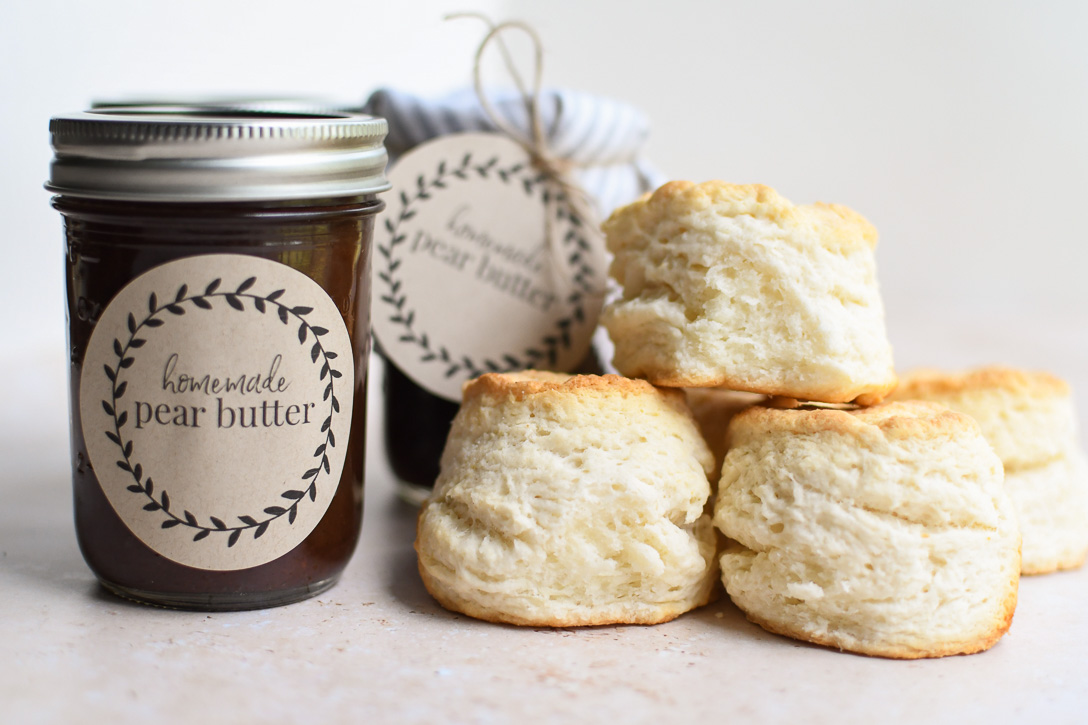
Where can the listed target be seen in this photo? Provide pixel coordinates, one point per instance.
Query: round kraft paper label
(216, 400)
(482, 266)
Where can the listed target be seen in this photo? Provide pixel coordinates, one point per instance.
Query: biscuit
(735, 287)
(884, 531)
(1030, 420)
(566, 501)
(713, 408)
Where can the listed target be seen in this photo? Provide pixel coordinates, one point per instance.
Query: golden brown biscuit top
(910, 419)
(529, 383)
(834, 225)
(927, 383)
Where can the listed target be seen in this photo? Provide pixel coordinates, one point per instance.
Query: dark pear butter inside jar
(217, 269)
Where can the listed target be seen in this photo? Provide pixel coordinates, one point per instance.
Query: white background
(959, 128)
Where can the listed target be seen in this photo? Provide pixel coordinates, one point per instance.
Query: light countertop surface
(377, 648)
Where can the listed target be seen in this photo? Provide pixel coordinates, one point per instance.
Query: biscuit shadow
(725, 616)
(728, 617)
(722, 614)
(402, 579)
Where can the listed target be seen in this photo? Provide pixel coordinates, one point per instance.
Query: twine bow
(555, 168)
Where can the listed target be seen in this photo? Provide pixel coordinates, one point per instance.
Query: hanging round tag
(482, 266)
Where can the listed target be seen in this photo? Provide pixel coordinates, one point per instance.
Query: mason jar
(217, 271)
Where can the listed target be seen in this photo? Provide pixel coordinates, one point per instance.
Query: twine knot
(557, 169)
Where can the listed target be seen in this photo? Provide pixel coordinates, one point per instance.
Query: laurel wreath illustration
(575, 245)
(157, 315)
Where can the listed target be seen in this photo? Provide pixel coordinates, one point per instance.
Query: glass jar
(416, 425)
(217, 269)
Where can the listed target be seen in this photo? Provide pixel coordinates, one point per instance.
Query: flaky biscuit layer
(733, 286)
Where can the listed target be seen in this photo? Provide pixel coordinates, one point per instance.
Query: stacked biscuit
(734, 287)
(881, 528)
(1029, 420)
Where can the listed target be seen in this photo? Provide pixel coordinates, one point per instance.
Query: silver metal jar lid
(190, 154)
(264, 104)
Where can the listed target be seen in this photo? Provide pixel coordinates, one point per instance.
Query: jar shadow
(37, 542)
